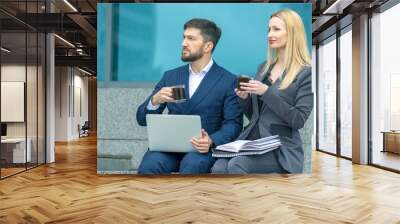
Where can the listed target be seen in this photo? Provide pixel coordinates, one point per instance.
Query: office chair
(84, 130)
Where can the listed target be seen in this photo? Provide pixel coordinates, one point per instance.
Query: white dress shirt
(194, 82)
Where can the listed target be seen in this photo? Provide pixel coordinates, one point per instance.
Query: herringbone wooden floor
(70, 191)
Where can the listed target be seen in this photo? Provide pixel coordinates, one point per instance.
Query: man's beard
(192, 57)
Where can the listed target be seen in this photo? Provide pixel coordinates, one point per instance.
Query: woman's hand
(254, 86)
(243, 95)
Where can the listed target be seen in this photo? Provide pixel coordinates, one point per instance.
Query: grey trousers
(266, 163)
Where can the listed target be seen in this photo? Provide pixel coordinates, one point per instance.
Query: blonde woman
(278, 101)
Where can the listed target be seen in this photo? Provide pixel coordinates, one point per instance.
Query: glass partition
(14, 152)
(31, 100)
(22, 87)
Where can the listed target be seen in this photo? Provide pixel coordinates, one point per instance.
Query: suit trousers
(265, 163)
(160, 163)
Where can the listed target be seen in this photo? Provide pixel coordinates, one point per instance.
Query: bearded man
(210, 94)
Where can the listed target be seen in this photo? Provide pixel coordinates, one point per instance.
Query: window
(327, 96)
(385, 87)
(346, 75)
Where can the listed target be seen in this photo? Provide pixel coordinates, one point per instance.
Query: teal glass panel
(139, 42)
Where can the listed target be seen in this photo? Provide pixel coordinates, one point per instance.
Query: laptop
(172, 133)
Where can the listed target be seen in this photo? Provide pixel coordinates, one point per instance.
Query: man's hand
(162, 96)
(203, 143)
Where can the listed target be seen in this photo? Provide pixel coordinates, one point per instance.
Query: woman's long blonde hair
(296, 51)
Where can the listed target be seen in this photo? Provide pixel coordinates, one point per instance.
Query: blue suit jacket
(214, 100)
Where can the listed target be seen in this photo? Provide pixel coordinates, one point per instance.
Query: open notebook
(247, 147)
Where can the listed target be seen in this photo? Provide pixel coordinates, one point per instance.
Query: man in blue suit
(210, 92)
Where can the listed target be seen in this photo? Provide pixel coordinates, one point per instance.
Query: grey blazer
(283, 113)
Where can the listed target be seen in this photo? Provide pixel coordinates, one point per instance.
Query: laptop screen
(3, 129)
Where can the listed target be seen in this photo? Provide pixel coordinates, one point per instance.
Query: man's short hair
(208, 29)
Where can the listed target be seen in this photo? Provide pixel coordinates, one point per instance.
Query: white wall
(81, 84)
(13, 73)
(61, 103)
(71, 93)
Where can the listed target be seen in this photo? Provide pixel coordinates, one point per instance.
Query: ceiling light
(65, 41)
(338, 6)
(84, 71)
(5, 50)
(70, 5)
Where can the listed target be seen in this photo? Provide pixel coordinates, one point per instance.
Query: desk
(391, 141)
(16, 147)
